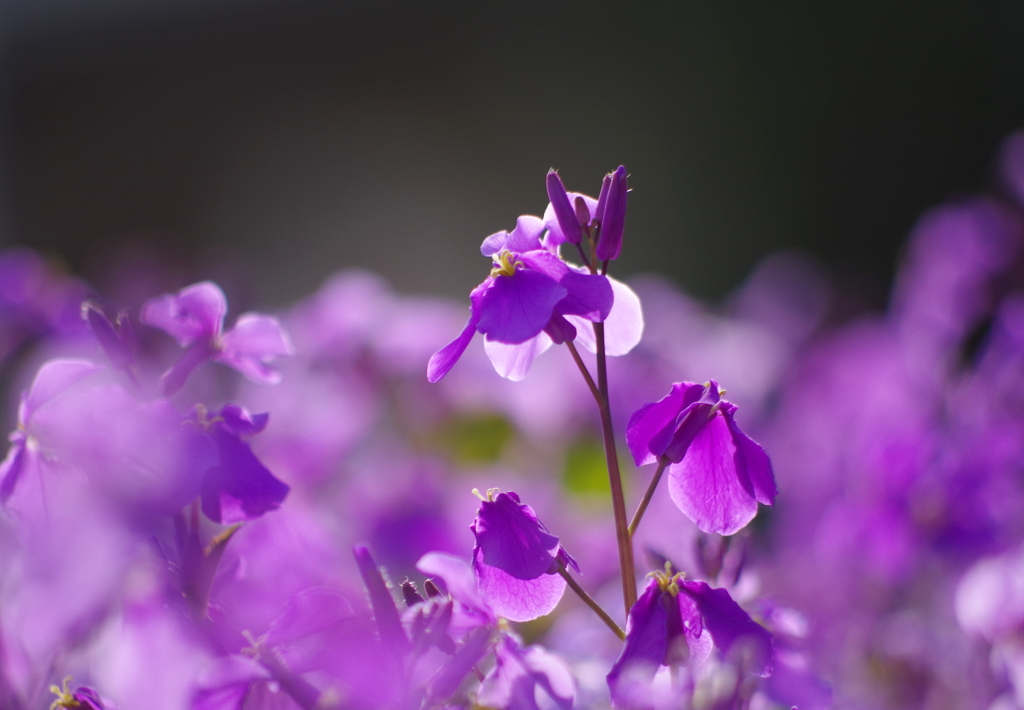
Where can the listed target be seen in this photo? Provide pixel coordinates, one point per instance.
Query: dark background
(268, 144)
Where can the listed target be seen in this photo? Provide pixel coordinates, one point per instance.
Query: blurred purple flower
(239, 487)
(83, 697)
(194, 317)
(519, 672)
(716, 474)
(516, 559)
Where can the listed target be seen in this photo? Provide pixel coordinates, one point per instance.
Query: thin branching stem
(627, 569)
(586, 373)
(642, 508)
(590, 602)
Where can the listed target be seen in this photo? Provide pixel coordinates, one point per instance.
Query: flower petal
(513, 361)
(707, 486)
(517, 599)
(735, 634)
(196, 312)
(654, 418)
(645, 647)
(510, 537)
(624, 326)
(515, 308)
(252, 344)
(752, 457)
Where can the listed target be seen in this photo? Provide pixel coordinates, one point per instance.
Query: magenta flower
(516, 559)
(239, 487)
(716, 474)
(529, 291)
(675, 622)
(519, 672)
(195, 318)
(83, 697)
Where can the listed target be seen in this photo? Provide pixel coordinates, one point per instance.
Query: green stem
(642, 508)
(590, 602)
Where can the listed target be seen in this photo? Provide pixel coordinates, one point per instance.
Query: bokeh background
(267, 144)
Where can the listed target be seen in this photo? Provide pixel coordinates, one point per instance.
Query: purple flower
(675, 622)
(239, 487)
(53, 379)
(529, 291)
(518, 672)
(84, 698)
(716, 474)
(195, 318)
(516, 559)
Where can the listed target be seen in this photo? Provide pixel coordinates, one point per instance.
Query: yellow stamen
(668, 582)
(504, 266)
(64, 697)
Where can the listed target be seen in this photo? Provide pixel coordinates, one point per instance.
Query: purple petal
(494, 243)
(444, 359)
(551, 673)
(646, 641)
(589, 296)
(11, 468)
(517, 599)
(624, 326)
(307, 613)
(448, 678)
(512, 683)
(457, 577)
(239, 488)
(613, 218)
(510, 537)
(672, 442)
(237, 419)
(735, 634)
(565, 214)
(515, 308)
(751, 457)
(53, 378)
(655, 417)
(559, 329)
(707, 486)
(513, 361)
(252, 344)
(526, 236)
(194, 313)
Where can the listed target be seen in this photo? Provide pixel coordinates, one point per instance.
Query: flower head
(675, 622)
(516, 559)
(716, 474)
(529, 292)
(194, 317)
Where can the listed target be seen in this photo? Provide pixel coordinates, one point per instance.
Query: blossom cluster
(270, 512)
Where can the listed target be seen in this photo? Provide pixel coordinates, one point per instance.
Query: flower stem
(590, 602)
(627, 569)
(642, 508)
(586, 373)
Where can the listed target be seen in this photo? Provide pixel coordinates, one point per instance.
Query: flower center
(64, 697)
(504, 265)
(667, 582)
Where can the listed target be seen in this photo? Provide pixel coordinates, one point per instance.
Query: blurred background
(267, 144)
